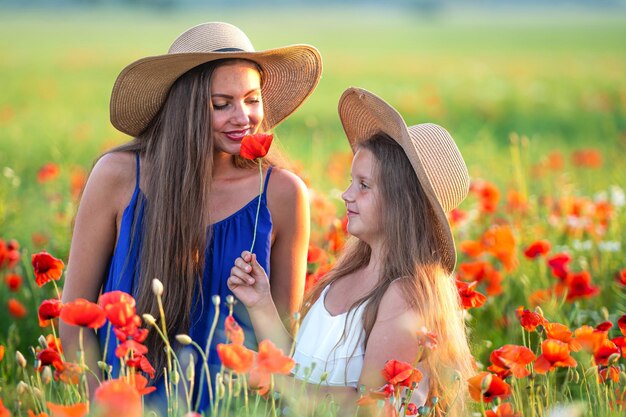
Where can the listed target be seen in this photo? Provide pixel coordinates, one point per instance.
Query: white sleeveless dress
(320, 341)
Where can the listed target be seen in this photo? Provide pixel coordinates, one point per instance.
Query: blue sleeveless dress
(230, 237)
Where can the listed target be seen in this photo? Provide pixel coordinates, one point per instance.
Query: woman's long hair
(177, 148)
(410, 254)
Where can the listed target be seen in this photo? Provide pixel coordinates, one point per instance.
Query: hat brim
(363, 114)
(290, 75)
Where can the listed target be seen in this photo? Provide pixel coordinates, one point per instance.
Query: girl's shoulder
(394, 303)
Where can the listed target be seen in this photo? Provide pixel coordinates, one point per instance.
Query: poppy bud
(190, 372)
(22, 387)
(216, 300)
(46, 375)
(539, 311)
(157, 287)
(183, 339)
(42, 341)
(323, 377)
(486, 383)
(220, 389)
(614, 358)
(230, 300)
(21, 360)
(149, 319)
(175, 376)
(423, 410)
(36, 392)
(434, 400)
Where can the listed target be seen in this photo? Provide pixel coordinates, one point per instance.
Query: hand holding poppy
(248, 281)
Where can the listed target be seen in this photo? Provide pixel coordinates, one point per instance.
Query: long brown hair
(178, 150)
(409, 255)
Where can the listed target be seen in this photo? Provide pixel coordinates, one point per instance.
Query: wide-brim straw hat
(290, 75)
(437, 162)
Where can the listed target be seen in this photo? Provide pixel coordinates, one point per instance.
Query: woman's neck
(222, 163)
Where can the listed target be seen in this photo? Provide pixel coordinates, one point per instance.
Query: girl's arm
(289, 204)
(93, 241)
(392, 337)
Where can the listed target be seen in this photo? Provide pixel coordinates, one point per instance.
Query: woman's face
(237, 105)
(362, 199)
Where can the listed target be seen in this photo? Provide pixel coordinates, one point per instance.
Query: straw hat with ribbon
(437, 162)
(290, 74)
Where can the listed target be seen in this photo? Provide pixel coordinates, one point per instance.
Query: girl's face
(362, 198)
(237, 106)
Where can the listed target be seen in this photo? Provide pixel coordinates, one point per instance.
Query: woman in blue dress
(178, 203)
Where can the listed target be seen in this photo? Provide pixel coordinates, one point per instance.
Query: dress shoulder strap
(137, 170)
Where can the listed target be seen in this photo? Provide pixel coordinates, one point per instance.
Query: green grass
(558, 79)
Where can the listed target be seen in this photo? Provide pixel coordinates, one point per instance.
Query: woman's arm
(93, 241)
(289, 204)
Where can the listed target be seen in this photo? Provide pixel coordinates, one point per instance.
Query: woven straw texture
(290, 75)
(431, 150)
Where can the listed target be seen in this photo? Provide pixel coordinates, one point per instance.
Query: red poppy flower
(130, 345)
(132, 331)
(558, 263)
(411, 409)
(17, 309)
(76, 410)
(604, 351)
(272, 360)
(50, 309)
(83, 313)
(48, 172)
(234, 332)
(482, 271)
(536, 249)
(400, 373)
(235, 357)
(141, 384)
(13, 281)
(511, 359)
(528, 319)
(426, 339)
(500, 242)
(496, 387)
(117, 397)
(561, 332)
(471, 248)
(621, 277)
(554, 353)
(609, 372)
(119, 307)
(54, 343)
(4, 412)
(579, 286)
(47, 268)
(2, 348)
(9, 253)
(469, 297)
(605, 326)
(259, 381)
(255, 146)
(503, 410)
(589, 338)
(587, 158)
(488, 195)
(141, 363)
(621, 323)
(49, 357)
(68, 372)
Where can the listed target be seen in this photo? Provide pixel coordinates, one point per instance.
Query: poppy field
(537, 105)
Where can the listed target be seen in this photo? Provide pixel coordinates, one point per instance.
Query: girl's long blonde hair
(410, 255)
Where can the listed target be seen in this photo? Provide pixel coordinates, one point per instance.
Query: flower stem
(258, 207)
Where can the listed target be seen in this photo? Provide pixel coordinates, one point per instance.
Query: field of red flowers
(542, 264)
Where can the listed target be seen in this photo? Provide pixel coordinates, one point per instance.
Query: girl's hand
(248, 281)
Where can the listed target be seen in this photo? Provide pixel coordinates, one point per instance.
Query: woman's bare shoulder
(284, 185)
(394, 303)
(113, 177)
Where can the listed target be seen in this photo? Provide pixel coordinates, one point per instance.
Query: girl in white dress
(395, 276)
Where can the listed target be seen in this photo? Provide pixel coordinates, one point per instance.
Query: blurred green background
(553, 76)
